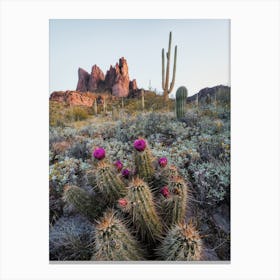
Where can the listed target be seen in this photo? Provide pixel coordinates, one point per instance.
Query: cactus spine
(181, 99)
(113, 241)
(164, 176)
(81, 200)
(142, 210)
(165, 76)
(108, 182)
(182, 243)
(144, 164)
(174, 206)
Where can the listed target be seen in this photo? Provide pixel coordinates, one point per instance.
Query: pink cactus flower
(126, 173)
(99, 153)
(140, 145)
(118, 164)
(165, 191)
(122, 202)
(162, 162)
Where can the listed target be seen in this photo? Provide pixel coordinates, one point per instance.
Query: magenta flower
(122, 202)
(99, 153)
(165, 191)
(140, 145)
(162, 162)
(118, 165)
(126, 173)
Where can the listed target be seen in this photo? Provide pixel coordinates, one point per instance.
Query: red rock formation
(116, 80)
(121, 84)
(133, 86)
(73, 98)
(96, 78)
(83, 80)
(110, 77)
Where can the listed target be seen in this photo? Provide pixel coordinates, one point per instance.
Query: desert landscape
(136, 175)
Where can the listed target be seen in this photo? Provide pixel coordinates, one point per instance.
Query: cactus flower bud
(140, 145)
(99, 153)
(165, 191)
(126, 173)
(122, 202)
(118, 164)
(162, 162)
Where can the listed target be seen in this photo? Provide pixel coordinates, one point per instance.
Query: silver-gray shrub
(71, 239)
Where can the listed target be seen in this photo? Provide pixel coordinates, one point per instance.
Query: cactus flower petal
(162, 161)
(118, 164)
(140, 145)
(165, 191)
(99, 153)
(122, 202)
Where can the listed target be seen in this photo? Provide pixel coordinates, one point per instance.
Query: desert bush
(211, 181)
(70, 239)
(68, 171)
(77, 114)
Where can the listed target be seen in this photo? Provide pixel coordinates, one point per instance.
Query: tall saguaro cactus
(165, 76)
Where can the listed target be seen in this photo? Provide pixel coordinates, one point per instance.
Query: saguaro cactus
(181, 99)
(165, 76)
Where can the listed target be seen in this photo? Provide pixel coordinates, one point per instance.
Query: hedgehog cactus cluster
(140, 213)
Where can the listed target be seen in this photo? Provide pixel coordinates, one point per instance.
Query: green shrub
(77, 114)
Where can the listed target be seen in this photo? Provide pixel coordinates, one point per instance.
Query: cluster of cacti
(144, 210)
(165, 76)
(181, 100)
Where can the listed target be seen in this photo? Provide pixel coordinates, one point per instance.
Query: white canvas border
(255, 138)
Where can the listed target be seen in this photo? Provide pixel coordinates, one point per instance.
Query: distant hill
(206, 95)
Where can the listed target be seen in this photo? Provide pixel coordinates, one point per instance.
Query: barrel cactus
(181, 99)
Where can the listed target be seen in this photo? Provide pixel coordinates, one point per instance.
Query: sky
(203, 55)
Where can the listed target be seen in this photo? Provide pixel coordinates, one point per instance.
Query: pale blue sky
(203, 50)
